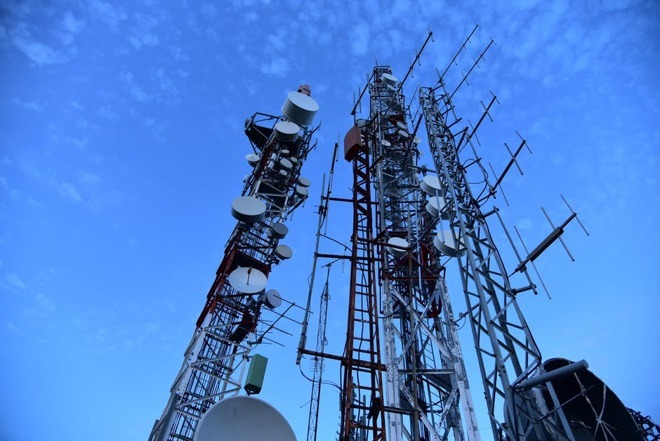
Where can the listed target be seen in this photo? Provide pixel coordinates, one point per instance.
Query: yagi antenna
(536, 271)
(513, 161)
(416, 60)
(465, 76)
(492, 192)
(364, 89)
(453, 60)
(551, 238)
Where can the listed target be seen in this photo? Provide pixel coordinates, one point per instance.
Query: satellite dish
(283, 251)
(252, 159)
(398, 243)
(247, 280)
(286, 131)
(431, 185)
(271, 298)
(279, 230)
(285, 164)
(304, 182)
(389, 79)
(301, 191)
(435, 205)
(593, 410)
(248, 209)
(401, 125)
(244, 418)
(444, 242)
(300, 108)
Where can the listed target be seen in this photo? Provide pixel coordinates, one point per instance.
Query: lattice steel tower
(402, 371)
(231, 323)
(403, 374)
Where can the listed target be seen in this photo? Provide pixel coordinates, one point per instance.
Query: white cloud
(107, 113)
(71, 26)
(14, 281)
(69, 191)
(144, 32)
(87, 177)
(359, 39)
(44, 304)
(136, 91)
(209, 10)
(251, 17)
(178, 53)
(277, 67)
(106, 12)
(37, 106)
(40, 53)
(164, 82)
(276, 40)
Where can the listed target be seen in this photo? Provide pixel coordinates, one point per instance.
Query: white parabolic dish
(389, 79)
(243, 418)
(444, 242)
(252, 159)
(248, 209)
(300, 108)
(272, 298)
(247, 280)
(283, 251)
(431, 185)
(400, 244)
(286, 131)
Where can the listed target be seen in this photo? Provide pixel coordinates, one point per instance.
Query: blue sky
(122, 149)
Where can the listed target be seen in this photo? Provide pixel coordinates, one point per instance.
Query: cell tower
(233, 320)
(403, 374)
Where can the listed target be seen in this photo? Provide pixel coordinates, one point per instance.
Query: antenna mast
(231, 323)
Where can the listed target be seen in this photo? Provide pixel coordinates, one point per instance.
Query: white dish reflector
(243, 418)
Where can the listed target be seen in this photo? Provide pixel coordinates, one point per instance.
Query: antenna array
(233, 320)
(402, 371)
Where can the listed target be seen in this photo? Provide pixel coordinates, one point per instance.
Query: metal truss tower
(506, 351)
(402, 370)
(238, 312)
(403, 374)
(427, 393)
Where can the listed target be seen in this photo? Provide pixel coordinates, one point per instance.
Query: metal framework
(506, 351)
(650, 430)
(402, 372)
(425, 381)
(362, 384)
(232, 323)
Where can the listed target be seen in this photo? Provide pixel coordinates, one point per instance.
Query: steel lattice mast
(506, 351)
(426, 382)
(397, 289)
(230, 324)
(426, 395)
